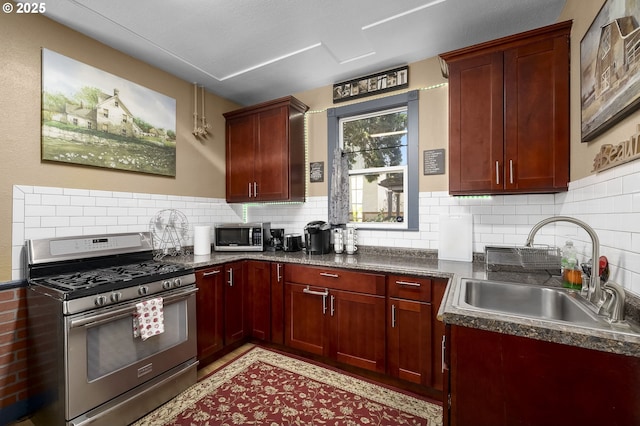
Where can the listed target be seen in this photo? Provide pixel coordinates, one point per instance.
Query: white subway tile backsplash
(39, 210)
(608, 201)
(55, 200)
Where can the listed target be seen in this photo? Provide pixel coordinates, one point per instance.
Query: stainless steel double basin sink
(558, 305)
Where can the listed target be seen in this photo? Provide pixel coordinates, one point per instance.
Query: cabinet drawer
(338, 279)
(408, 287)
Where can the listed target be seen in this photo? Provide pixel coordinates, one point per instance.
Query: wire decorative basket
(522, 258)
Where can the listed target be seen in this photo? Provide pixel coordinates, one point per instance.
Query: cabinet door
(277, 303)
(357, 329)
(209, 311)
(235, 303)
(259, 294)
(536, 78)
(500, 379)
(272, 155)
(305, 310)
(475, 124)
(409, 340)
(240, 138)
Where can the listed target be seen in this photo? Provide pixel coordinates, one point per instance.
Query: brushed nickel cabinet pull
(409, 283)
(249, 189)
(279, 274)
(255, 189)
(393, 316)
(324, 293)
(333, 304)
(442, 354)
(230, 277)
(511, 171)
(326, 274)
(206, 274)
(497, 173)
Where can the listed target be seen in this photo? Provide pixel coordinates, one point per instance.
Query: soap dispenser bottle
(571, 274)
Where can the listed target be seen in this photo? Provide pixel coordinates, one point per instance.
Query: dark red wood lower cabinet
(498, 379)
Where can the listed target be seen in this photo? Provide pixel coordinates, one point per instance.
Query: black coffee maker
(317, 237)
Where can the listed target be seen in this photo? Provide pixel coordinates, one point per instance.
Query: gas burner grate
(111, 275)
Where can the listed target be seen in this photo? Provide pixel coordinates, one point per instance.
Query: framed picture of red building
(610, 67)
(94, 118)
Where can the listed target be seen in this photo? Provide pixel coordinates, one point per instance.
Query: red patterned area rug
(263, 387)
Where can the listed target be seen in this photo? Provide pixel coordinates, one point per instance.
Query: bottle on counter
(571, 273)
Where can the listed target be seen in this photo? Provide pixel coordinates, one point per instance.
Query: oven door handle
(125, 311)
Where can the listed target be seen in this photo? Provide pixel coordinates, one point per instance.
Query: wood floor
(201, 372)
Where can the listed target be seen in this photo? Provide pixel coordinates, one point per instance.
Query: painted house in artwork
(110, 115)
(618, 54)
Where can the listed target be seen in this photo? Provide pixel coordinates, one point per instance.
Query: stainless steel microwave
(241, 236)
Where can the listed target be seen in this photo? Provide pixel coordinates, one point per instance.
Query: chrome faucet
(594, 290)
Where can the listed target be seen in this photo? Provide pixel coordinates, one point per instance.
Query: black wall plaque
(434, 162)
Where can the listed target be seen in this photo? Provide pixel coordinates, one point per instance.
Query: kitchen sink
(531, 301)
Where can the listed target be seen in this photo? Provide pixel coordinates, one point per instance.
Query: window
(605, 40)
(379, 139)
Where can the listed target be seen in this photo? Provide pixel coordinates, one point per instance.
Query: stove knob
(167, 285)
(100, 300)
(143, 290)
(177, 282)
(115, 297)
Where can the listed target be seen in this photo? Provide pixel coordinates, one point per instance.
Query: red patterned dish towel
(149, 318)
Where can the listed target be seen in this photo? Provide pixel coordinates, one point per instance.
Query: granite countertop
(426, 263)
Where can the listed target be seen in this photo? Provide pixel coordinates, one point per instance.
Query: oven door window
(111, 345)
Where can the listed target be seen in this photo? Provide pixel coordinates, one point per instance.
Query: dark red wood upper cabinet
(509, 114)
(265, 151)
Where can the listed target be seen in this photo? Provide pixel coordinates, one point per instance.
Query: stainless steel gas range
(92, 361)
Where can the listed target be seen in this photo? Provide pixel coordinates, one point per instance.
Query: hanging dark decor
(374, 84)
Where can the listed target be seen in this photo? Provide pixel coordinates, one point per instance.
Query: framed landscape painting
(610, 67)
(94, 118)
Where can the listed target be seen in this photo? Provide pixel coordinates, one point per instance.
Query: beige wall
(433, 120)
(200, 164)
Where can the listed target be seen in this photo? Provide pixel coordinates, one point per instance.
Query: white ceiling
(250, 51)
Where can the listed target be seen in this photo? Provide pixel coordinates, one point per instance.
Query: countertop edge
(453, 271)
